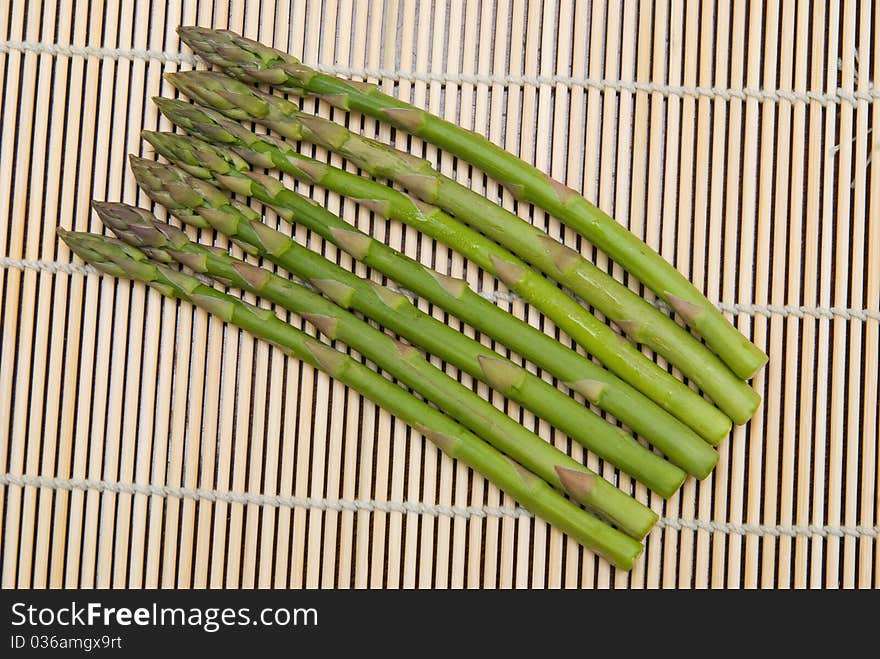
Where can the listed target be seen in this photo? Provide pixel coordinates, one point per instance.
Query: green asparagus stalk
(636, 369)
(244, 225)
(141, 229)
(120, 260)
(677, 441)
(252, 62)
(640, 320)
(633, 408)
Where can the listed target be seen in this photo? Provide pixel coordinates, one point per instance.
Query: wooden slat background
(145, 445)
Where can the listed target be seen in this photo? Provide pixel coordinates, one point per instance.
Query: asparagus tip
(100, 207)
(119, 216)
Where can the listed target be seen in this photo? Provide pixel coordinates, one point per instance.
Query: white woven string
(404, 507)
(768, 310)
(776, 95)
(95, 51)
(47, 266)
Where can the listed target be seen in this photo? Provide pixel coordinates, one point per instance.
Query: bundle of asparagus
(223, 156)
(253, 62)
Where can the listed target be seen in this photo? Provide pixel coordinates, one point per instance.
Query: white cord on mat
(48, 266)
(500, 296)
(412, 507)
(776, 95)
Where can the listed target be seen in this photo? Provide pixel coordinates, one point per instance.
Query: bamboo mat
(145, 445)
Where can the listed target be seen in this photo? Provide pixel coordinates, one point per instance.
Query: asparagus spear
(231, 172)
(676, 440)
(121, 260)
(160, 241)
(634, 409)
(244, 225)
(252, 62)
(640, 320)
